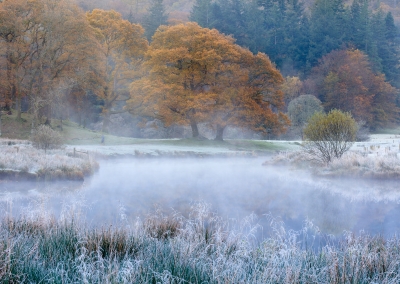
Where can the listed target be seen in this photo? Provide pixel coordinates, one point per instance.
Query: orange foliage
(194, 74)
(344, 80)
(47, 44)
(122, 45)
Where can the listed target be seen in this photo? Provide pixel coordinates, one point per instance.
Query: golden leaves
(202, 75)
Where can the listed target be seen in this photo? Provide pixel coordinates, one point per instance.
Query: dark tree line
(295, 39)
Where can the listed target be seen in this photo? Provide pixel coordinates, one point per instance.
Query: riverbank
(146, 148)
(378, 159)
(19, 160)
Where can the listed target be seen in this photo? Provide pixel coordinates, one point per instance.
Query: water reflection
(235, 188)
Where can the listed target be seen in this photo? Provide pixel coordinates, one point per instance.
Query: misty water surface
(125, 189)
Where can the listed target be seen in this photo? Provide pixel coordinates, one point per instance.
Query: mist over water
(123, 190)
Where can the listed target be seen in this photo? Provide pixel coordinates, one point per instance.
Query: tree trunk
(0, 122)
(106, 122)
(195, 130)
(48, 115)
(220, 133)
(18, 106)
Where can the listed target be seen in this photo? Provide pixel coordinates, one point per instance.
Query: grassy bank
(393, 130)
(19, 160)
(201, 249)
(75, 135)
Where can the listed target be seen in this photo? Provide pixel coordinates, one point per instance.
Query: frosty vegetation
(46, 138)
(200, 249)
(358, 165)
(351, 164)
(53, 164)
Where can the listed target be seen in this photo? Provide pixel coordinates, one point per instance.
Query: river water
(125, 189)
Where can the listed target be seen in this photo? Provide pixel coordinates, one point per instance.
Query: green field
(394, 130)
(12, 128)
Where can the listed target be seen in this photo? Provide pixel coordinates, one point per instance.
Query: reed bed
(202, 248)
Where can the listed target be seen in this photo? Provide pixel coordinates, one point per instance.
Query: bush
(329, 135)
(301, 109)
(46, 138)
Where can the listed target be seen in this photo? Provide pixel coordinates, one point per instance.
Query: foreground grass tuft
(201, 249)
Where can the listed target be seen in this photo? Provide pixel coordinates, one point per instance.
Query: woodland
(219, 63)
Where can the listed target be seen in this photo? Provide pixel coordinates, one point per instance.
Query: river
(125, 189)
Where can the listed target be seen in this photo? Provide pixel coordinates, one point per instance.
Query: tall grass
(200, 249)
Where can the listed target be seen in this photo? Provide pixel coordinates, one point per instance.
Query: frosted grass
(357, 164)
(351, 164)
(202, 248)
(23, 157)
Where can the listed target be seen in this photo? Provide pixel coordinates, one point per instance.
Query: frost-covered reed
(53, 164)
(200, 249)
(351, 164)
(355, 164)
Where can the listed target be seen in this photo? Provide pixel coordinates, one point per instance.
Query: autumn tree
(301, 109)
(47, 43)
(17, 19)
(195, 75)
(66, 49)
(292, 88)
(344, 80)
(122, 47)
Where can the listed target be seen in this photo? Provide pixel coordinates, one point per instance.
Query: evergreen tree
(202, 13)
(156, 17)
(274, 14)
(256, 33)
(234, 20)
(376, 47)
(328, 22)
(360, 28)
(390, 53)
(296, 37)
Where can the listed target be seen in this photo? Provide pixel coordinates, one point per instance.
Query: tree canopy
(345, 80)
(46, 44)
(195, 75)
(122, 46)
(302, 108)
(329, 135)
